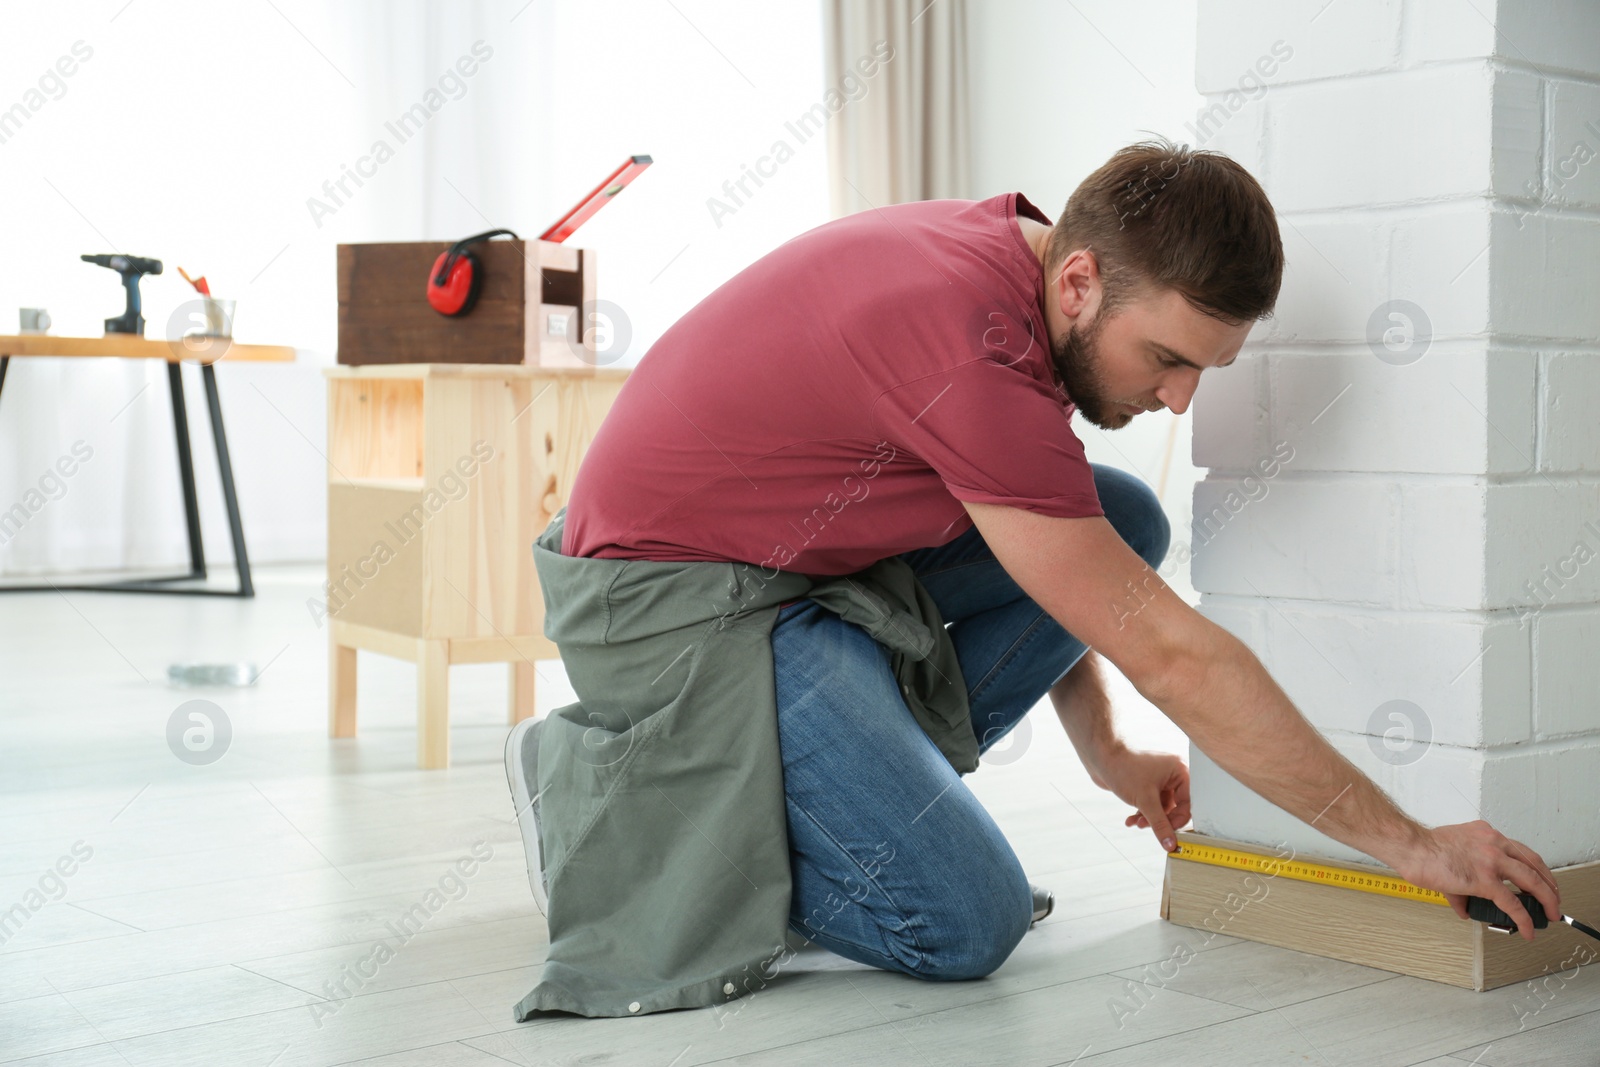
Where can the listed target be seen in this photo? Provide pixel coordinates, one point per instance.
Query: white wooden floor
(221, 906)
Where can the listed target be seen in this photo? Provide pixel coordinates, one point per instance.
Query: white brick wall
(1336, 271)
(1544, 796)
(1572, 155)
(1441, 260)
(1545, 264)
(1339, 668)
(1379, 140)
(1447, 29)
(1341, 265)
(1328, 39)
(1569, 439)
(1310, 538)
(1451, 412)
(1549, 35)
(1397, 542)
(1226, 808)
(1230, 415)
(1545, 531)
(1567, 683)
(1435, 539)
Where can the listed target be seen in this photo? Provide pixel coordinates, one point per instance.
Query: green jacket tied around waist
(660, 790)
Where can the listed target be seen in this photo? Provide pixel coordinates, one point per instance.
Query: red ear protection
(457, 276)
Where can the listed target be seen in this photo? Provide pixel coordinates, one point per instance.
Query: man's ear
(1077, 284)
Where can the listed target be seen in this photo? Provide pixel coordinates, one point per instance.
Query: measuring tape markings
(1307, 872)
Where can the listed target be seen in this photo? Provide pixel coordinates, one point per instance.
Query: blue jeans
(895, 863)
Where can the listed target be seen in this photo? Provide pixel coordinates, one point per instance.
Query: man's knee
(1157, 533)
(1135, 512)
(972, 939)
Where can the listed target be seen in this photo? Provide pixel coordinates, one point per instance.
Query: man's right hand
(1473, 859)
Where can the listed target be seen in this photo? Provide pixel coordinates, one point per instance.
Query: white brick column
(1422, 573)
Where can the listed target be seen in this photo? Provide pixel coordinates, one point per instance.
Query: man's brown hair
(1160, 215)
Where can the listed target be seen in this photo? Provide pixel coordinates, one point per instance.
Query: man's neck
(1037, 234)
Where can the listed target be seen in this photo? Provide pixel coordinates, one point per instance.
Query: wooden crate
(440, 478)
(532, 299)
(1412, 937)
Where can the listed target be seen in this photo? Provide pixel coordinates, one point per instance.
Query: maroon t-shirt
(831, 404)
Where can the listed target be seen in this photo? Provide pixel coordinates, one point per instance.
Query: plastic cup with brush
(201, 329)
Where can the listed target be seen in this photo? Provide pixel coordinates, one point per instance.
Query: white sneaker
(522, 775)
(1044, 902)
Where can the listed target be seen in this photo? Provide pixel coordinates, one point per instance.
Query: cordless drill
(130, 267)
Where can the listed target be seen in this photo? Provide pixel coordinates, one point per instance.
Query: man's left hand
(1155, 783)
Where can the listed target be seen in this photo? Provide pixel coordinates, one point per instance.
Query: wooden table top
(470, 370)
(128, 346)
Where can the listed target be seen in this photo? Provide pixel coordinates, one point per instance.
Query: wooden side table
(207, 351)
(440, 478)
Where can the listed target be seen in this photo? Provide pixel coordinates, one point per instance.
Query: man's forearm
(1236, 714)
(1084, 708)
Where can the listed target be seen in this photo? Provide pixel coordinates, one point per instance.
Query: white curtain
(189, 132)
(223, 137)
(903, 132)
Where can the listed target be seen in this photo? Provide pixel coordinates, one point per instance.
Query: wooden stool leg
(433, 704)
(523, 678)
(341, 690)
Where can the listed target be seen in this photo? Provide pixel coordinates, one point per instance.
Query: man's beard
(1077, 361)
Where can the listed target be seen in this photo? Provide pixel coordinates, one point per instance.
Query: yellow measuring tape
(1302, 871)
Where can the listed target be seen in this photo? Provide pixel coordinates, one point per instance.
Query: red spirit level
(602, 194)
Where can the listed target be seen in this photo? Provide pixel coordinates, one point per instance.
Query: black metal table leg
(225, 470)
(191, 502)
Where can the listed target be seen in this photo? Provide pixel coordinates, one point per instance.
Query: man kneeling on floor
(861, 438)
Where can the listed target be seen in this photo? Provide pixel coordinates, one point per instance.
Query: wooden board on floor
(1558, 948)
(1411, 937)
